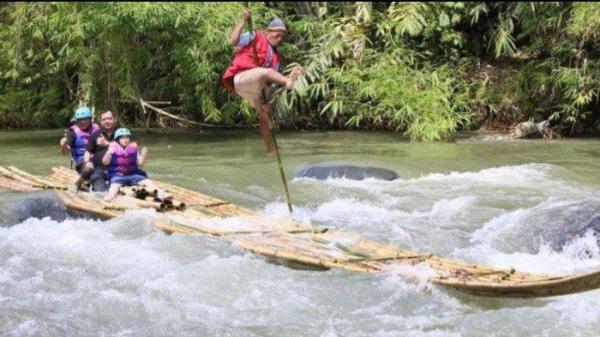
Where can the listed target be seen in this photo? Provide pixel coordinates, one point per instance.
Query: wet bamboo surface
(290, 241)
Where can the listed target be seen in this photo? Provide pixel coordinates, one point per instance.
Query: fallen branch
(159, 102)
(163, 113)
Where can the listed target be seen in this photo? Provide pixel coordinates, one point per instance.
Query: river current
(499, 203)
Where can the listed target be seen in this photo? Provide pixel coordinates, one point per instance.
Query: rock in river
(323, 172)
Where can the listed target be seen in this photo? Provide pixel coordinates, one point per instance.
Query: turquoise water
(500, 203)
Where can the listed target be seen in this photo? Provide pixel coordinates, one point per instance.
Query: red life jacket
(268, 57)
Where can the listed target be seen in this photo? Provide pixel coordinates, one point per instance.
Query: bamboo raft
(288, 241)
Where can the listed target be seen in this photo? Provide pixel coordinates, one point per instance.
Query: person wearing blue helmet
(76, 141)
(123, 161)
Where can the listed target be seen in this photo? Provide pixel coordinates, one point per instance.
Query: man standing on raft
(254, 68)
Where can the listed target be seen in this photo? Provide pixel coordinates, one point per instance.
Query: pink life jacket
(124, 161)
(268, 57)
(82, 138)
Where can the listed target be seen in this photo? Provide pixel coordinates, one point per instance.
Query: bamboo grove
(423, 69)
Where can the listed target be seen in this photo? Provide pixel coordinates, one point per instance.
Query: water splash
(122, 278)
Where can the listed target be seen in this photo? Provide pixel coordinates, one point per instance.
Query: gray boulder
(323, 172)
(567, 236)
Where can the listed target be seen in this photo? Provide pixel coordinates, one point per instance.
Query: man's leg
(274, 76)
(84, 175)
(264, 124)
(250, 84)
(98, 180)
(79, 181)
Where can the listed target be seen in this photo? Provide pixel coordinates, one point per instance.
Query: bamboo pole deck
(293, 242)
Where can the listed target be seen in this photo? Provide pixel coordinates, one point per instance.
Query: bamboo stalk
(271, 122)
(17, 177)
(15, 185)
(295, 242)
(386, 258)
(38, 180)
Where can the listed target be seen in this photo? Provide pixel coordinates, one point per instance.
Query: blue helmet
(121, 132)
(83, 112)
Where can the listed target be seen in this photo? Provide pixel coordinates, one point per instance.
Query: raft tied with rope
(293, 242)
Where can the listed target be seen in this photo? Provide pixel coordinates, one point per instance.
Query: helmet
(83, 112)
(121, 132)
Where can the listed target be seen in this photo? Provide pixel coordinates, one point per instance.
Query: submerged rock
(566, 236)
(34, 205)
(41, 207)
(323, 172)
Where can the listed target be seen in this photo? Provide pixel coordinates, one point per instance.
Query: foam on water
(123, 278)
(120, 277)
(499, 216)
(503, 217)
(580, 255)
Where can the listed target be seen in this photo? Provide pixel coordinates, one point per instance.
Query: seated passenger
(97, 148)
(123, 161)
(76, 140)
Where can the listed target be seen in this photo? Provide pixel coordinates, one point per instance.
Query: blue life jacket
(82, 138)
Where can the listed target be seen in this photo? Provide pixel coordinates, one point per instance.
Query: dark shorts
(130, 179)
(86, 174)
(79, 167)
(98, 179)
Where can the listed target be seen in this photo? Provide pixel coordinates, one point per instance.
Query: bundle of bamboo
(295, 243)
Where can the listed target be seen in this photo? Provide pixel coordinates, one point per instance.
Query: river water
(500, 203)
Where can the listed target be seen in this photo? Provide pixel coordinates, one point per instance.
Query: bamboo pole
(15, 185)
(14, 176)
(39, 180)
(332, 249)
(271, 122)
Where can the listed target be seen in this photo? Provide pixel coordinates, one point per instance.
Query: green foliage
(425, 69)
(109, 55)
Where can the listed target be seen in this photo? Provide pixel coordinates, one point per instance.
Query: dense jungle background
(423, 69)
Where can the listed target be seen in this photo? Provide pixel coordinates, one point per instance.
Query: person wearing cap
(255, 67)
(76, 140)
(123, 161)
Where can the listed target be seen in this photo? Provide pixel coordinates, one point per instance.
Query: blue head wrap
(277, 24)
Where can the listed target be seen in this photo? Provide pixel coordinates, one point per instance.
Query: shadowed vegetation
(423, 69)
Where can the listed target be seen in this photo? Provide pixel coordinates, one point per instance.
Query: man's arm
(64, 148)
(91, 146)
(67, 141)
(235, 35)
(90, 149)
(87, 157)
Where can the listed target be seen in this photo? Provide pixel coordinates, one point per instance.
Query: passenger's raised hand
(112, 147)
(144, 151)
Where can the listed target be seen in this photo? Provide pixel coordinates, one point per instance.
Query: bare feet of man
(296, 72)
(271, 151)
